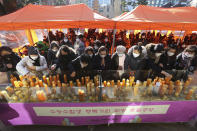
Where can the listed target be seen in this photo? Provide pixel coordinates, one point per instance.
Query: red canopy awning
(148, 18)
(42, 16)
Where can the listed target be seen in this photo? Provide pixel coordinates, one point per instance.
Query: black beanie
(32, 51)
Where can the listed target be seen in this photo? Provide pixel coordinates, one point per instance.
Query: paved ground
(113, 127)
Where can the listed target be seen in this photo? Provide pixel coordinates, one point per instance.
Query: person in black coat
(118, 58)
(67, 42)
(64, 56)
(143, 39)
(138, 63)
(8, 59)
(51, 55)
(102, 60)
(80, 66)
(90, 52)
(168, 58)
(186, 62)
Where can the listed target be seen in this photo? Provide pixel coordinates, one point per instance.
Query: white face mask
(157, 54)
(91, 55)
(170, 53)
(189, 55)
(102, 56)
(135, 55)
(54, 50)
(77, 40)
(95, 47)
(65, 40)
(120, 54)
(34, 57)
(106, 40)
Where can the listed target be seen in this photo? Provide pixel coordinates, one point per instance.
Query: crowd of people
(148, 55)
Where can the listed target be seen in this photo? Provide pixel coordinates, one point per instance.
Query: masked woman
(33, 64)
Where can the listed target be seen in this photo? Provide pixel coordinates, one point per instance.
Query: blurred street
(113, 127)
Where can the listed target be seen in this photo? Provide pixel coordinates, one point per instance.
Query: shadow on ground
(112, 127)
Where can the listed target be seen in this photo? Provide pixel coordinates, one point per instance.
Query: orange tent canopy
(43, 17)
(156, 18)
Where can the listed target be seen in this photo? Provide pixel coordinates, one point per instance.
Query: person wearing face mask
(51, 56)
(79, 45)
(8, 59)
(120, 41)
(80, 67)
(90, 51)
(144, 51)
(64, 56)
(107, 43)
(96, 45)
(138, 63)
(33, 64)
(168, 58)
(187, 60)
(66, 41)
(154, 52)
(118, 58)
(102, 60)
(143, 39)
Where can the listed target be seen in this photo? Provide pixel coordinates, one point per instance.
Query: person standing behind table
(90, 52)
(187, 62)
(79, 45)
(51, 55)
(107, 43)
(67, 42)
(64, 56)
(33, 64)
(143, 39)
(144, 51)
(138, 63)
(8, 60)
(154, 52)
(102, 60)
(168, 59)
(118, 59)
(96, 45)
(80, 67)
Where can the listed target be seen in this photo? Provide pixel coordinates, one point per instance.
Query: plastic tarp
(156, 18)
(45, 17)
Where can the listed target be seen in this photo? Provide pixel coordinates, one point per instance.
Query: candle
(71, 84)
(123, 82)
(41, 83)
(65, 78)
(41, 96)
(189, 95)
(112, 83)
(55, 79)
(105, 83)
(32, 84)
(58, 77)
(21, 77)
(118, 83)
(59, 83)
(81, 95)
(12, 81)
(44, 79)
(108, 84)
(82, 80)
(48, 81)
(136, 90)
(50, 78)
(149, 81)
